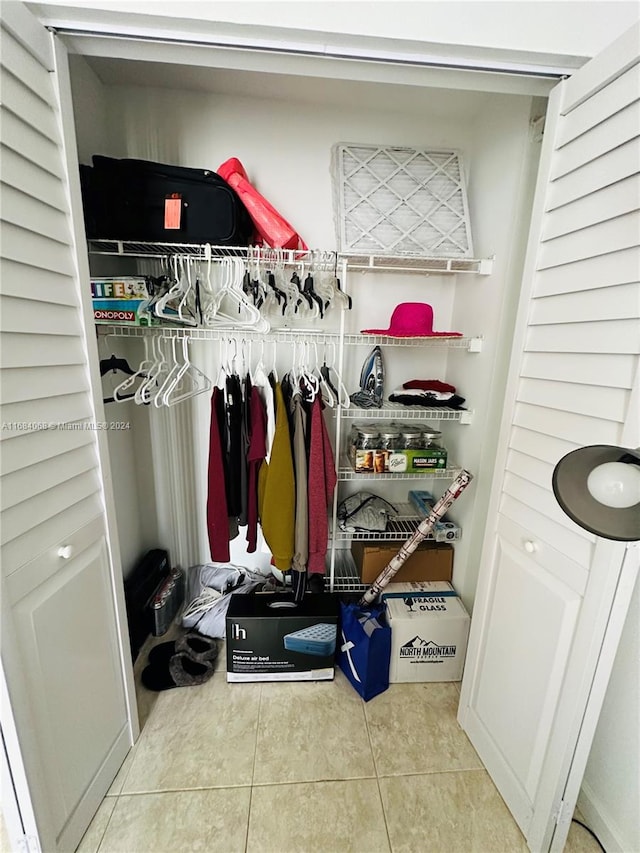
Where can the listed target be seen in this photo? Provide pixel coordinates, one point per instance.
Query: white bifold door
(65, 714)
(552, 597)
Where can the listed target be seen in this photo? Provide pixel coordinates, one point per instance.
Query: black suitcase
(140, 201)
(140, 586)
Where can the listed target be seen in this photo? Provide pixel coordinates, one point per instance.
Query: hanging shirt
(322, 482)
(261, 381)
(217, 516)
(244, 451)
(276, 492)
(255, 457)
(233, 444)
(299, 445)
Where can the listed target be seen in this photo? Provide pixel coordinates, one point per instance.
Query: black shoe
(177, 671)
(197, 647)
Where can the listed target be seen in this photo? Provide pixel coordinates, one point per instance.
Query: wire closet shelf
(353, 261)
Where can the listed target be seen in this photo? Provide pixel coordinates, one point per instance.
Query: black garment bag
(141, 201)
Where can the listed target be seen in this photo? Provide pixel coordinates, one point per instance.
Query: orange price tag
(172, 213)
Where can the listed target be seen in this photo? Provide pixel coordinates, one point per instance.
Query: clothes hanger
(115, 364)
(189, 375)
(341, 393)
(329, 395)
(119, 392)
(229, 306)
(310, 381)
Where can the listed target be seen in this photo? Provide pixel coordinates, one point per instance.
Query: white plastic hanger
(189, 382)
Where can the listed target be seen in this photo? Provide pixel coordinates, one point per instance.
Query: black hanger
(113, 364)
(295, 279)
(308, 289)
(349, 299)
(280, 294)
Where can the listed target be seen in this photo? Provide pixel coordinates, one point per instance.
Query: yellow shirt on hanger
(276, 491)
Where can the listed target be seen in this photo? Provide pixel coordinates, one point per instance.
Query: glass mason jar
(431, 437)
(390, 438)
(411, 437)
(368, 438)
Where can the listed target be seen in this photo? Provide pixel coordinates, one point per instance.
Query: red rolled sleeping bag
(274, 230)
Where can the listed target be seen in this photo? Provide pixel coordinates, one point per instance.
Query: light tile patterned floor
(304, 768)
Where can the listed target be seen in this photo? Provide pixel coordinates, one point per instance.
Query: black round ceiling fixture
(598, 487)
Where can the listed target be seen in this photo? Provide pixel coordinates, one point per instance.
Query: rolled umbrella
(424, 528)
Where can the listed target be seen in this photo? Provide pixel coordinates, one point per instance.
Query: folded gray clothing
(209, 592)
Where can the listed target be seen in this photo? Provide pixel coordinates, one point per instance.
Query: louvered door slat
(21, 485)
(30, 143)
(29, 213)
(607, 369)
(607, 336)
(17, 350)
(616, 165)
(26, 281)
(610, 403)
(20, 100)
(38, 415)
(604, 271)
(568, 426)
(604, 137)
(26, 384)
(601, 239)
(40, 507)
(603, 303)
(29, 448)
(25, 176)
(23, 65)
(618, 95)
(38, 318)
(29, 247)
(618, 199)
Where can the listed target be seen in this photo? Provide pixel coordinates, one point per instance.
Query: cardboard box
(444, 530)
(416, 461)
(122, 312)
(417, 589)
(432, 561)
(398, 461)
(271, 638)
(429, 637)
(121, 301)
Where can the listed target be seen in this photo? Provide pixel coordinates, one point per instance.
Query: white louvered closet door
(551, 597)
(61, 649)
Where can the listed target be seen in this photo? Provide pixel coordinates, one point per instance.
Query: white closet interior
(282, 127)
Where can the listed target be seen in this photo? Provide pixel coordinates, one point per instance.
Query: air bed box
(271, 638)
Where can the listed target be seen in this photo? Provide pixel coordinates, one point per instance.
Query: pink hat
(412, 320)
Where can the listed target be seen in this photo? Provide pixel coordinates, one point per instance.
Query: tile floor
(304, 768)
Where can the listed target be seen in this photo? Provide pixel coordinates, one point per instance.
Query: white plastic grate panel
(401, 201)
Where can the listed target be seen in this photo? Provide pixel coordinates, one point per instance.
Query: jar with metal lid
(368, 438)
(411, 437)
(390, 438)
(431, 437)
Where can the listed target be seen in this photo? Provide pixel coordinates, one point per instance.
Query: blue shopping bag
(365, 648)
